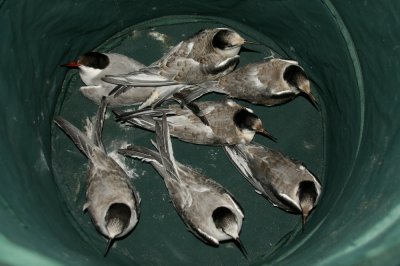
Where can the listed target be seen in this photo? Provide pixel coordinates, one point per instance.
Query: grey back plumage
(192, 61)
(272, 82)
(194, 196)
(82, 142)
(227, 123)
(116, 64)
(283, 181)
(93, 71)
(263, 83)
(109, 192)
(196, 59)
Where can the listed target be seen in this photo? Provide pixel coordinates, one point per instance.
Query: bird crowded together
(167, 94)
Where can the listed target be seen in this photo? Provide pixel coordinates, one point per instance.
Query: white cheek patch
(230, 52)
(248, 135)
(88, 73)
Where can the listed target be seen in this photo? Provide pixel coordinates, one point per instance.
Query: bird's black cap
(94, 60)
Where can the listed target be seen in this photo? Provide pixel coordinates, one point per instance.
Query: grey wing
(182, 70)
(220, 120)
(118, 90)
(146, 122)
(208, 239)
(99, 122)
(82, 142)
(242, 80)
(182, 49)
(164, 146)
(161, 94)
(146, 77)
(141, 153)
(250, 166)
(198, 112)
(200, 90)
(151, 76)
(125, 116)
(269, 174)
(239, 159)
(190, 71)
(179, 193)
(155, 159)
(222, 68)
(142, 118)
(185, 125)
(246, 84)
(191, 128)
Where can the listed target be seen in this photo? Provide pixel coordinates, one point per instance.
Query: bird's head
(227, 42)
(295, 76)
(116, 222)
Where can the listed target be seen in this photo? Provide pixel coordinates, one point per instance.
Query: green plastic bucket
(349, 50)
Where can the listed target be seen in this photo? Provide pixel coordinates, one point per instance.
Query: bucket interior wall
(349, 51)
